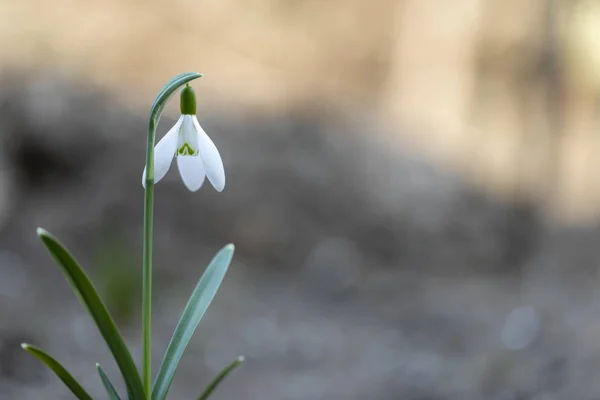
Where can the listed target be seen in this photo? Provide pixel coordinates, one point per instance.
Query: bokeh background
(413, 191)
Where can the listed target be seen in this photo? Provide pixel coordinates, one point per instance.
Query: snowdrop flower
(197, 156)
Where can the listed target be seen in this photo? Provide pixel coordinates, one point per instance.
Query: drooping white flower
(197, 156)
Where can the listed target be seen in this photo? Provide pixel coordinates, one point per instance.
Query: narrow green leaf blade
(59, 370)
(219, 378)
(87, 294)
(201, 297)
(167, 91)
(110, 389)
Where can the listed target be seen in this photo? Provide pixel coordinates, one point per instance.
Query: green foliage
(201, 297)
(110, 389)
(85, 290)
(219, 378)
(120, 287)
(59, 370)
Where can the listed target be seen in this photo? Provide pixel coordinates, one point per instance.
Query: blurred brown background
(413, 190)
(504, 92)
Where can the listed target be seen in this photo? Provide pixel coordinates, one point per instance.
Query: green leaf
(59, 370)
(166, 92)
(87, 294)
(219, 378)
(201, 297)
(110, 389)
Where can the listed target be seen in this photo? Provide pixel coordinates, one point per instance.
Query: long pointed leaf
(85, 290)
(219, 378)
(110, 389)
(201, 297)
(59, 370)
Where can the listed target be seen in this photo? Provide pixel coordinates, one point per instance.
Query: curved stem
(147, 262)
(155, 112)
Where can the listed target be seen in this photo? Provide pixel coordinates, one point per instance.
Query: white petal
(188, 138)
(192, 172)
(211, 158)
(164, 151)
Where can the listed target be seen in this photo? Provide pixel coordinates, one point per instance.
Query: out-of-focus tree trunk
(430, 81)
(578, 189)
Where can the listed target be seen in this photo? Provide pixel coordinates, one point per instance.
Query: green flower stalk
(186, 134)
(197, 158)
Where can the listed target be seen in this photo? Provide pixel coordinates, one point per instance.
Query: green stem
(155, 111)
(147, 261)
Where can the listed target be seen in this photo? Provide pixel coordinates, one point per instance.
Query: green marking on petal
(186, 150)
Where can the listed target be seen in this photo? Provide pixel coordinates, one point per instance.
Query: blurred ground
(412, 188)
